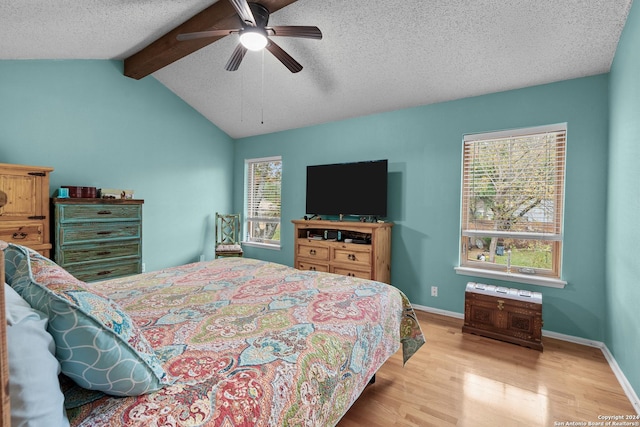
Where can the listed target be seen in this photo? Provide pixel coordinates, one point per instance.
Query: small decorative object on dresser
(505, 314)
(24, 219)
(97, 239)
(114, 193)
(357, 249)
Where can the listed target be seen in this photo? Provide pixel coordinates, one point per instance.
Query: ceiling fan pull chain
(242, 97)
(262, 93)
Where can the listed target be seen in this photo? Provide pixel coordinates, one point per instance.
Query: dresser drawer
(22, 234)
(98, 232)
(366, 274)
(316, 252)
(304, 265)
(352, 256)
(101, 251)
(87, 213)
(104, 270)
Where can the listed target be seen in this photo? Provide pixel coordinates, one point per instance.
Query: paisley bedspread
(253, 343)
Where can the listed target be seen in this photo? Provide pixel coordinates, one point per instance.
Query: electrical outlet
(143, 267)
(434, 291)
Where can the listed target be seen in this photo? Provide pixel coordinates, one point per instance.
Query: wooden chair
(228, 235)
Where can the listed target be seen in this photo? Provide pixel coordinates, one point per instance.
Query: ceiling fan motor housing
(260, 14)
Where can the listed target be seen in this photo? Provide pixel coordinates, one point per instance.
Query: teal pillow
(98, 345)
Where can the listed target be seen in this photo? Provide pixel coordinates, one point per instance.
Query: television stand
(370, 258)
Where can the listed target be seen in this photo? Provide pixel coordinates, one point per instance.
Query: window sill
(262, 245)
(512, 277)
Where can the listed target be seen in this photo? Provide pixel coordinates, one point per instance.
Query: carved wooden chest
(504, 313)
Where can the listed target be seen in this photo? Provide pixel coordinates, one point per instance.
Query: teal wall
(623, 227)
(99, 128)
(424, 149)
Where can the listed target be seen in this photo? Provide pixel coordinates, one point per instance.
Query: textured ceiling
(375, 56)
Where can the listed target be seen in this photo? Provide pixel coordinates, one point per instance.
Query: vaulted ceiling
(375, 55)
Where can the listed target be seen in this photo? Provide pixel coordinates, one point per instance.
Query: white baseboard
(438, 311)
(622, 379)
(571, 338)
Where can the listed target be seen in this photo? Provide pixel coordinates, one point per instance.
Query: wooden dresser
(506, 314)
(97, 239)
(321, 246)
(24, 219)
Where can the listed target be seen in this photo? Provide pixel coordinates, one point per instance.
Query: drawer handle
(20, 236)
(312, 268)
(104, 232)
(103, 253)
(500, 305)
(104, 212)
(102, 273)
(352, 257)
(351, 275)
(312, 252)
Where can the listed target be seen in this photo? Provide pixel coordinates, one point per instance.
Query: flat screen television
(358, 188)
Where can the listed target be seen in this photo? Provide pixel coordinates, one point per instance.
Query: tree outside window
(512, 202)
(263, 204)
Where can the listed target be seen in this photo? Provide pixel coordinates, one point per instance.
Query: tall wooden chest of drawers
(502, 313)
(98, 239)
(24, 219)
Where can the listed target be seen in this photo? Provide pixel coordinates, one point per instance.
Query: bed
(229, 342)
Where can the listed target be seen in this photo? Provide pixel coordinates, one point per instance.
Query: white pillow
(34, 388)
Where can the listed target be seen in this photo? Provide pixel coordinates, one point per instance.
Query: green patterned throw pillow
(97, 343)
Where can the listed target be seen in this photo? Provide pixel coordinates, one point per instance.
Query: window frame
(544, 277)
(250, 219)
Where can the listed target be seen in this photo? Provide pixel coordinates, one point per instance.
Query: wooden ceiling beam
(167, 49)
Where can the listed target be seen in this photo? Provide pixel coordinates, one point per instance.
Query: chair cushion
(98, 345)
(229, 248)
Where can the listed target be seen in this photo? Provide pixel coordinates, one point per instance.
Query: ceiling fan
(254, 35)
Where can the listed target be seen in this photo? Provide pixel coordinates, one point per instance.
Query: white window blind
(263, 202)
(513, 188)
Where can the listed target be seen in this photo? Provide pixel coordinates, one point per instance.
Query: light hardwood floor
(459, 379)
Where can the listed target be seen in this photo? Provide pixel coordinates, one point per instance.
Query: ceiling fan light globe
(253, 40)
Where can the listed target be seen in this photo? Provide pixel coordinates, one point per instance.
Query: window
(512, 203)
(263, 183)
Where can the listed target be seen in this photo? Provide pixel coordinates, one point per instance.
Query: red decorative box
(76, 192)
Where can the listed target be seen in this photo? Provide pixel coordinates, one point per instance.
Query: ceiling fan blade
(204, 34)
(307, 32)
(236, 58)
(244, 11)
(286, 59)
